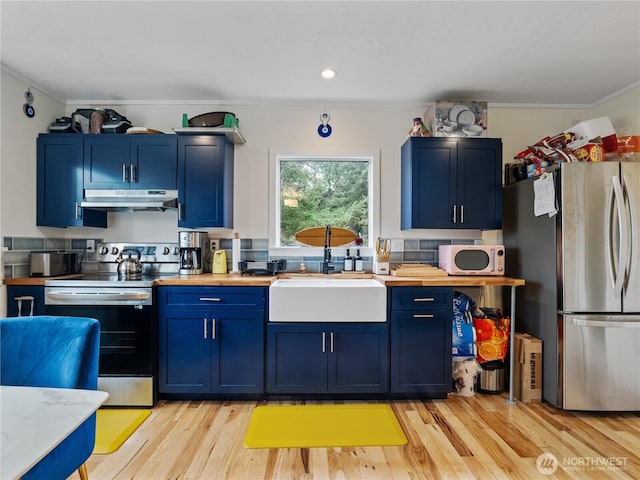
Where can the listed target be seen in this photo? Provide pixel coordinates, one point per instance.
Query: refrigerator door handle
(581, 322)
(617, 270)
(631, 228)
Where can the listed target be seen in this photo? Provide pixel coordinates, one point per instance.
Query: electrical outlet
(397, 245)
(91, 245)
(214, 244)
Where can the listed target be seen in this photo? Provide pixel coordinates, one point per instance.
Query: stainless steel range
(122, 300)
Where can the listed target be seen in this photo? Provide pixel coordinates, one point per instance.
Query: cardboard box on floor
(527, 374)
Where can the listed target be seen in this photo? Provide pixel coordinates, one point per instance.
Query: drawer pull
(422, 315)
(209, 299)
(424, 299)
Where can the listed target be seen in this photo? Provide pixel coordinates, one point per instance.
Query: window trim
(371, 155)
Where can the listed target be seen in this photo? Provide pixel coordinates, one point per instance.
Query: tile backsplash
(16, 253)
(415, 251)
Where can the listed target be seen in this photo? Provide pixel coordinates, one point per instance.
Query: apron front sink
(319, 299)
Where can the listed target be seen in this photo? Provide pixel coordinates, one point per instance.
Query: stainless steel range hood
(130, 200)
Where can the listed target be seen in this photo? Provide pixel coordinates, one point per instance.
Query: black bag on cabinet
(114, 122)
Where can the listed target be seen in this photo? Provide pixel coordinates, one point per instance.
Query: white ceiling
(385, 52)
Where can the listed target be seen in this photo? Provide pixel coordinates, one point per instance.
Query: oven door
(127, 348)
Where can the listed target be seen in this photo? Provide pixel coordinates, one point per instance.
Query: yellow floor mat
(342, 425)
(115, 425)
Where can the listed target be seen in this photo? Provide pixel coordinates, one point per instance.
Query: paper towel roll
(235, 253)
(598, 127)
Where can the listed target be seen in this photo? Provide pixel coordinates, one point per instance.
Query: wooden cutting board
(417, 270)
(314, 237)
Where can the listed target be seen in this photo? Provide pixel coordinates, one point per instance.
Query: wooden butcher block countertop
(450, 281)
(216, 279)
(36, 281)
(225, 279)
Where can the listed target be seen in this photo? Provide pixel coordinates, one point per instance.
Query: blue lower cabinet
(327, 358)
(421, 340)
(209, 350)
(185, 354)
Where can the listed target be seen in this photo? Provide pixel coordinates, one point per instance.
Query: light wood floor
(479, 437)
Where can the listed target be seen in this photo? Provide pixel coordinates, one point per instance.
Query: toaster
(49, 264)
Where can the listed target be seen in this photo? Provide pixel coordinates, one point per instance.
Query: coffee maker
(195, 257)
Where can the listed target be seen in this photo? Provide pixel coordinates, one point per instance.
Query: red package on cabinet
(492, 335)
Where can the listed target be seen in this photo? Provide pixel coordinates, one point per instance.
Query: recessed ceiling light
(328, 73)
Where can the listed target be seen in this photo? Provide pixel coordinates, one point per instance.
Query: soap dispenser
(359, 266)
(348, 262)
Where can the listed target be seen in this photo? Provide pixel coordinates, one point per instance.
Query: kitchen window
(313, 189)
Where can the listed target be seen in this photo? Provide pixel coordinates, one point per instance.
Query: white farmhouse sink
(317, 299)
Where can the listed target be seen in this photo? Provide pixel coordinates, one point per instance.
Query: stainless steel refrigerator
(582, 273)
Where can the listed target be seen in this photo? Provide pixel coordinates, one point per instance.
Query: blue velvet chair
(59, 352)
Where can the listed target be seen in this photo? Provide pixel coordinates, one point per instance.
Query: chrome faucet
(327, 265)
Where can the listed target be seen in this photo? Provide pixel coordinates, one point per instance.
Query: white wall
(264, 127)
(623, 110)
(295, 126)
(18, 165)
(18, 159)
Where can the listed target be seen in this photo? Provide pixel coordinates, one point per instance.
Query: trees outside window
(316, 191)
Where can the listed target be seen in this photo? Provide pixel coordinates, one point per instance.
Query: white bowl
(473, 130)
(449, 127)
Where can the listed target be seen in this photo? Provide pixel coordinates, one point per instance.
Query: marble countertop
(34, 420)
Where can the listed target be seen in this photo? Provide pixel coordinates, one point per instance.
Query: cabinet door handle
(331, 342)
(324, 340)
(132, 173)
(180, 211)
(209, 299)
(213, 329)
(77, 211)
(461, 213)
(422, 315)
(124, 173)
(423, 299)
(454, 213)
(204, 325)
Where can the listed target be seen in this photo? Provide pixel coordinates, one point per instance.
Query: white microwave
(472, 259)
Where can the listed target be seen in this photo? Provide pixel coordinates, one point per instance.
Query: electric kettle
(219, 264)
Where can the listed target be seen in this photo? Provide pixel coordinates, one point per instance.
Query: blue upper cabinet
(123, 162)
(205, 181)
(59, 184)
(451, 183)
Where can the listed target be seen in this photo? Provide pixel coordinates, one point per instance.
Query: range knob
(176, 251)
(114, 251)
(166, 251)
(104, 250)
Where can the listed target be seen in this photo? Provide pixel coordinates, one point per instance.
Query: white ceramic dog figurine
(464, 375)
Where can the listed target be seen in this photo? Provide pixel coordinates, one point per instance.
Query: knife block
(380, 267)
